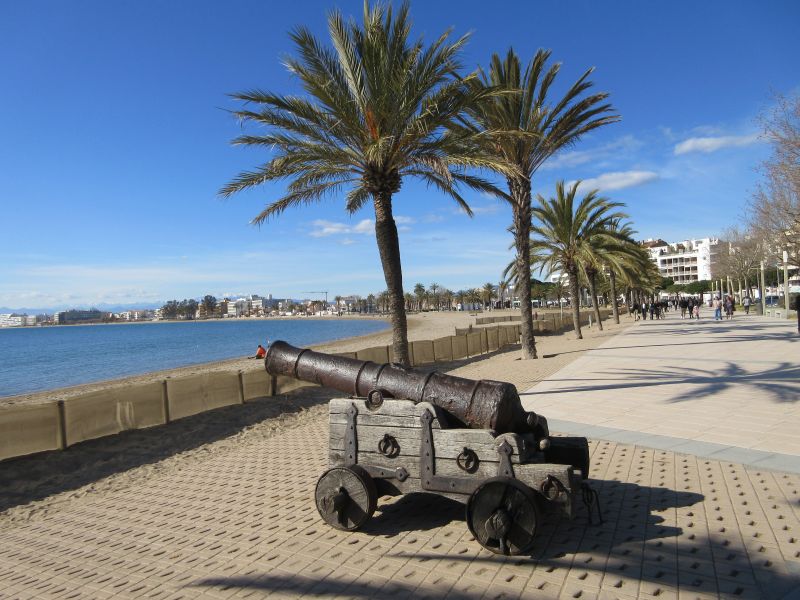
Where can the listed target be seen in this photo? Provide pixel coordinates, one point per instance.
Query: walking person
(746, 304)
(690, 307)
(717, 306)
(683, 305)
(697, 311)
(729, 307)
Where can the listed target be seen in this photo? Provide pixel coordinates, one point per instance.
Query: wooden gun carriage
(404, 431)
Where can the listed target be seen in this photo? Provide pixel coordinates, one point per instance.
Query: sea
(44, 358)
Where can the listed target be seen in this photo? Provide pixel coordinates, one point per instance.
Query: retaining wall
(28, 429)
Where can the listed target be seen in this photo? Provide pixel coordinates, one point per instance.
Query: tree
(740, 256)
(434, 291)
(502, 288)
(209, 304)
(377, 110)
(775, 206)
(420, 293)
(170, 310)
(525, 128)
(567, 236)
(487, 293)
(623, 254)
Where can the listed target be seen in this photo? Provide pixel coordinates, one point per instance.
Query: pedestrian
(728, 307)
(690, 306)
(717, 306)
(697, 311)
(746, 304)
(683, 305)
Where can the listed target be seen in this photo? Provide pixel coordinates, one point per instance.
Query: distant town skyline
(116, 140)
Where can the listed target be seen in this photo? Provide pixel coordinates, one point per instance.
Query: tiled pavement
(241, 523)
(728, 390)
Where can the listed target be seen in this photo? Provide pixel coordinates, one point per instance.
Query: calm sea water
(45, 358)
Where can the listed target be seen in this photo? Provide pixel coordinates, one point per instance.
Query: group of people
(656, 309)
(728, 304)
(689, 307)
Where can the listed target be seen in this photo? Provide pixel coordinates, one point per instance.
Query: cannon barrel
(480, 404)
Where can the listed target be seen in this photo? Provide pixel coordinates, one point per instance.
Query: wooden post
(62, 425)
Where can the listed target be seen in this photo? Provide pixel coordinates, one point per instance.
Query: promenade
(728, 390)
(235, 517)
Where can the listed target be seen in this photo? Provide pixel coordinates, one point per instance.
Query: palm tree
(525, 128)
(625, 254)
(434, 291)
(568, 236)
(502, 288)
(419, 292)
(487, 292)
(377, 110)
(448, 298)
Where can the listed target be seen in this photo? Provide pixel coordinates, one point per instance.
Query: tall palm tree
(487, 292)
(625, 254)
(377, 110)
(434, 291)
(525, 128)
(419, 292)
(502, 288)
(567, 236)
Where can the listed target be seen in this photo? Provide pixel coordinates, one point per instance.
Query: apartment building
(686, 261)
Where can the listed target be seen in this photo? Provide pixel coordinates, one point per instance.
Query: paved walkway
(728, 390)
(237, 520)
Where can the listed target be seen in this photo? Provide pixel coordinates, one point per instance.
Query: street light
(786, 282)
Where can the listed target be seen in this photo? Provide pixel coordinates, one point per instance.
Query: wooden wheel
(503, 515)
(346, 497)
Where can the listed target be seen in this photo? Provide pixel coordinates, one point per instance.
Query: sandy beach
(421, 326)
(41, 482)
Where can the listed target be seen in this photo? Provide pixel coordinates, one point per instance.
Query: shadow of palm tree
(780, 382)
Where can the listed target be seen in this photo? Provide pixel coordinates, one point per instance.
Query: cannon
(402, 431)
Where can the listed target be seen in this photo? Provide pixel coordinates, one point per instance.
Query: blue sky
(114, 140)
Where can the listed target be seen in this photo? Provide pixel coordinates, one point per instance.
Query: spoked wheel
(346, 497)
(503, 515)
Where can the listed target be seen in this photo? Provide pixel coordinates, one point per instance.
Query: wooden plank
(404, 409)
(531, 474)
(447, 443)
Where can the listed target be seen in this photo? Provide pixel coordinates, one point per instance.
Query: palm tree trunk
(593, 291)
(613, 280)
(521, 192)
(389, 248)
(575, 300)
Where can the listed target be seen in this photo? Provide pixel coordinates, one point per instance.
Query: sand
(39, 484)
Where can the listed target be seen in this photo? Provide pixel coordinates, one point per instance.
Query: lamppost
(762, 289)
(786, 282)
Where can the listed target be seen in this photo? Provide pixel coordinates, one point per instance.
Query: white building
(686, 261)
(237, 308)
(13, 320)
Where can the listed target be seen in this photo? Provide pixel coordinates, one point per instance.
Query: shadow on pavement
(633, 546)
(780, 382)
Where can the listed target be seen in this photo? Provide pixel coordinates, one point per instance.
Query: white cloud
(712, 144)
(400, 220)
(618, 180)
(325, 228)
(574, 158)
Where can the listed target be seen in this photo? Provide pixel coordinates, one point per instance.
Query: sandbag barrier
(33, 428)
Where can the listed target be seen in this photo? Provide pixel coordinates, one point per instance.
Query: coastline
(421, 326)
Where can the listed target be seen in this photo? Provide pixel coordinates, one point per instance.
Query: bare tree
(775, 206)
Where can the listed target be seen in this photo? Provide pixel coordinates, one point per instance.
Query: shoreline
(241, 363)
(421, 326)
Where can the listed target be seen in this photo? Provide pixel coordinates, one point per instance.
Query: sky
(115, 132)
